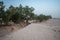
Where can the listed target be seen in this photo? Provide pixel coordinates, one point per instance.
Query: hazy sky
(47, 7)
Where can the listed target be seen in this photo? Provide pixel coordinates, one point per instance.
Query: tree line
(19, 14)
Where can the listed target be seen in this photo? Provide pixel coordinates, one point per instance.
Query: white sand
(49, 30)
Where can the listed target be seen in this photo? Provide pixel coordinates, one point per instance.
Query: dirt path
(34, 31)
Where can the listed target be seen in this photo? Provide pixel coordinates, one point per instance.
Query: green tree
(8, 14)
(18, 16)
(1, 11)
(28, 13)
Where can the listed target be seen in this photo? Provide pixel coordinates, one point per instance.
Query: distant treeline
(19, 14)
(42, 17)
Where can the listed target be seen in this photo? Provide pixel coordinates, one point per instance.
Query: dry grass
(5, 29)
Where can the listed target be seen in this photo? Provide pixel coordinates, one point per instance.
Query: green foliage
(42, 17)
(1, 11)
(28, 13)
(19, 14)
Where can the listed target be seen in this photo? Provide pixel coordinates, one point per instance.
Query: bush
(42, 17)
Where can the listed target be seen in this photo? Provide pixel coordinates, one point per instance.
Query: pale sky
(47, 7)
